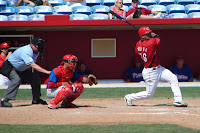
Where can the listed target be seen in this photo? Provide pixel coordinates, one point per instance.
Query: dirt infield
(105, 112)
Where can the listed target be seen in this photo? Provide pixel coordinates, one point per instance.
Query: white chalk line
(162, 113)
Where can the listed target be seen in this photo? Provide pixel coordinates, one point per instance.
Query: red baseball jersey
(59, 75)
(147, 49)
(2, 59)
(144, 11)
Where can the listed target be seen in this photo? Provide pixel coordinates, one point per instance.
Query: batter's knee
(149, 95)
(173, 79)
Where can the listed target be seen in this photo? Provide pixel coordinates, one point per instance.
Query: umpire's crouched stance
(16, 68)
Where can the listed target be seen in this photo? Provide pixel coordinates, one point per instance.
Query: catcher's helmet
(4, 45)
(144, 30)
(71, 59)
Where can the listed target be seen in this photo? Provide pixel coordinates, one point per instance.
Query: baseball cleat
(39, 101)
(5, 104)
(180, 104)
(128, 102)
(52, 106)
(71, 105)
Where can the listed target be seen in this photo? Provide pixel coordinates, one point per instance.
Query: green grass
(104, 93)
(122, 128)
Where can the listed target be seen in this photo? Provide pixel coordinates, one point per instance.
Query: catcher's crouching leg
(78, 89)
(66, 91)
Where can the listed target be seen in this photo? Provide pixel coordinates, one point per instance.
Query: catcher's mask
(71, 59)
(40, 42)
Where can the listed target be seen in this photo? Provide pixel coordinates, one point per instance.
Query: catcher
(61, 85)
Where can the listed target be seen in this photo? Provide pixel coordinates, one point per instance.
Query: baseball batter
(60, 86)
(153, 71)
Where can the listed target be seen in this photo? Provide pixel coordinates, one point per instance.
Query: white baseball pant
(51, 93)
(4, 80)
(151, 77)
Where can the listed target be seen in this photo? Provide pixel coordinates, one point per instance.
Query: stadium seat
(79, 17)
(100, 9)
(97, 16)
(3, 3)
(176, 8)
(37, 17)
(12, 3)
(82, 10)
(166, 2)
(126, 8)
(56, 2)
(158, 8)
(3, 18)
(194, 15)
(17, 17)
(108, 2)
(139, 6)
(26, 10)
(177, 15)
(192, 8)
(7, 11)
(43, 10)
(148, 2)
(197, 1)
(93, 2)
(127, 2)
(64, 9)
(185, 2)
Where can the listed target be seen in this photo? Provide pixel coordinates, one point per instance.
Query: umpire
(16, 68)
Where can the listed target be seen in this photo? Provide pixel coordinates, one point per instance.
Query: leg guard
(65, 92)
(79, 89)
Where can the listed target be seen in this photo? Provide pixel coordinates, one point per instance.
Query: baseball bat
(119, 17)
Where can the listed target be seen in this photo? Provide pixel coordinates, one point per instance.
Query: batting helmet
(71, 59)
(4, 45)
(144, 30)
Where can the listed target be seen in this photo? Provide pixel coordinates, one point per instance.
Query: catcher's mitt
(92, 80)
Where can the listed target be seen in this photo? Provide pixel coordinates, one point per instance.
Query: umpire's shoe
(5, 103)
(39, 101)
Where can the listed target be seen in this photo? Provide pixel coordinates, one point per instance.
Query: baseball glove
(92, 80)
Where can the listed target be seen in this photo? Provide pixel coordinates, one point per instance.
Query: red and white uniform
(54, 85)
(3, 79)
(153, 73)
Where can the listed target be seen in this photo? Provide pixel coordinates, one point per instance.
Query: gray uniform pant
(27, 76)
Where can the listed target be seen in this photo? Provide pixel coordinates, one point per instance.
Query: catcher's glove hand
(92, 79)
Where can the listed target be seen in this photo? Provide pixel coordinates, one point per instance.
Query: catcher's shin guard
(79, 89)
(62, 94)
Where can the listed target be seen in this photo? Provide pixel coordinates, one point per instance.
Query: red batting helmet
(71, 59)
(144, 30)
(4, 45)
